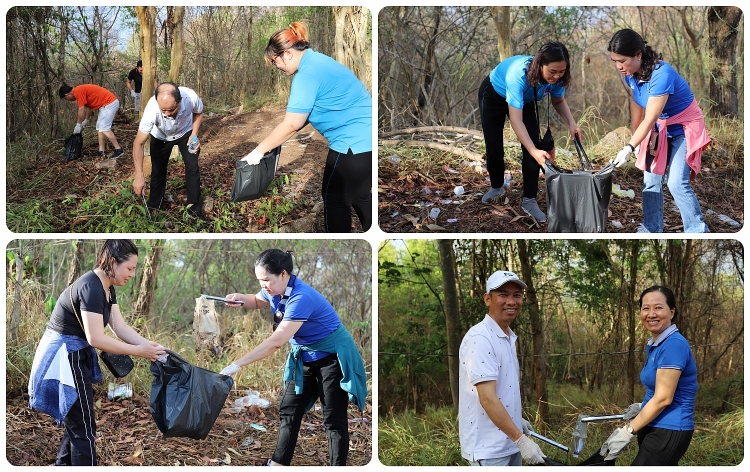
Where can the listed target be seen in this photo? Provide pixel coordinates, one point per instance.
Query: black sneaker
(117, 153)
(197, 216)
(100, 154)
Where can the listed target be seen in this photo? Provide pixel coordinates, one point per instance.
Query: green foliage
(430, 439)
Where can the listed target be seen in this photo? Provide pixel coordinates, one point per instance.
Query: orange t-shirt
(93, 96)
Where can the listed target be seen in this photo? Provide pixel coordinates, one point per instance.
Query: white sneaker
(642, 229)
(531, 208)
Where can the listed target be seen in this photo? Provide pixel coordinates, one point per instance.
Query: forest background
(580, 341)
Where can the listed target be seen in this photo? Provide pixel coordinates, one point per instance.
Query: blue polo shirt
(338, 104)
(509, 81)
(318, 316)
(664, 81)
(672, 351)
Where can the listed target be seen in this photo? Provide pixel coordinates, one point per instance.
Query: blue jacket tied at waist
(51, 386)
(340, 342)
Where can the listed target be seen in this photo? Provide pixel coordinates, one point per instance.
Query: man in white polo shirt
(490, 427)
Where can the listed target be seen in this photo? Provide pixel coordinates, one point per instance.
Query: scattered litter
(459, 190)
(395, 159)
(258, 427)
(426, 190)
(725, 219)
(451, 220)
(252, 398)
(395, 214)
(437, 192)
(428, 204)
(622, 193)
(446, 202)
(247, 442)
(616, 224)
(354, 420)
(434, 213)
(450, 170)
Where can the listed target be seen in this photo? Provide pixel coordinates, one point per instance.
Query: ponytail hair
(275, 261)
(294, 37)
(552, 51)
(117, 250)
(627, 42)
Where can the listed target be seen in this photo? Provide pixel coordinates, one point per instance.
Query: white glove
(530, 452)
(526, 427)
(231, 369)
(253, 158)
(77, 129)
(616, 442)
(632, 411)
(84, 123)
(623, 156)
(637, 150)
(132, 93)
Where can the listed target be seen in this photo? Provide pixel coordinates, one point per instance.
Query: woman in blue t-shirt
(512, 89)
(324, 361)
(74, 331)
(661, 97)
(664, 425)
(330, 97)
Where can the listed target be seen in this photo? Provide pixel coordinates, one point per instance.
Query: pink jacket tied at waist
(696, 140)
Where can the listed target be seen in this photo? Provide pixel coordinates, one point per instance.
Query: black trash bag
(577, 200)
(595, 459)
(252, 181)
(73, 146)
(185, 399)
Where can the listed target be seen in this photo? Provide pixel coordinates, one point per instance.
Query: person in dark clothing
(135, 83)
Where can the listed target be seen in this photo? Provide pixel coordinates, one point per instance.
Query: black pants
(160, 151)
(659, 446)
(347, 184)
(77, 446)
(493, 108)
(320, 379)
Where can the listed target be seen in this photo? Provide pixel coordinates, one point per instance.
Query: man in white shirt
(172, 117)
(490, 426)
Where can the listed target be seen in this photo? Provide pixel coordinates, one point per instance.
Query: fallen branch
(440, 147)
(432, 129)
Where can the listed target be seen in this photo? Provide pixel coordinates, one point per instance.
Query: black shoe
(197, 216)
(100, 154)
(117, 153)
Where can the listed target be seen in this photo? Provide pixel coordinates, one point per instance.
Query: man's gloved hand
(77, 129)
(84, 123)
(253, 158)
(631, 411)
(231, 369)
(526, 427)
(623, 156)
(530, 452)
(132, 93)
(616, 442)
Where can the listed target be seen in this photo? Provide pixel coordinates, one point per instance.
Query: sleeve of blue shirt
(297, 309)
(675, 354)
(515, 84)
(303, 94)
(662, 82)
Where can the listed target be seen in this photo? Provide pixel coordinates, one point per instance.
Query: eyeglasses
(273, 61)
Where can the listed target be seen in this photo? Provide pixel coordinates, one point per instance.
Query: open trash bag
(252, 181)
(73, 146)
(186, 399)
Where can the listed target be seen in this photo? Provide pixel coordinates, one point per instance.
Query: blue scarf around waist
(340, 342)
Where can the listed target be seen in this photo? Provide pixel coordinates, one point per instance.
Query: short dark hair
(275, 261)
(139, 63)
(175, 92)
(118, 249)
(668, 295)
(64, 90)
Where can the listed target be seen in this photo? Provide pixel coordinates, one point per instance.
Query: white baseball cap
(502, 277)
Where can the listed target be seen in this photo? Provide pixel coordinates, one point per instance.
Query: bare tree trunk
(452, 317)
(350, 45)
(501, 20)
(634, 249)
(15, 320)
(177, 33)
(538, 360)
(147, 33)
(148, 280)
(74, 269)
(722, 34)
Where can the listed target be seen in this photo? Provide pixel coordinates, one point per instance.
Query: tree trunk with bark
(148, 280)
(74, 268)
(452, 317)
(722, 36)
(147, 36)
(501, 20)
(176, 28)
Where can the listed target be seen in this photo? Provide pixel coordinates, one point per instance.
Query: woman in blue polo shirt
(512, 89)
(323, 363)
(661, 97)
(330, 97)
(665, 425)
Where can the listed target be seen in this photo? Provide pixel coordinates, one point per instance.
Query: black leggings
(78, 443)
(320, 379)
(347, 184)
(659, 446)
(493, 108)
(160, 151)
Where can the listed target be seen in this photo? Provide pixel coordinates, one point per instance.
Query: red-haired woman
(330, 97)
(512, 89)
